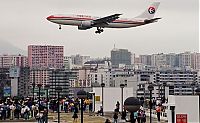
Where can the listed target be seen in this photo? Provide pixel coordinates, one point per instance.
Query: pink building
(47, 56)
(7, 61)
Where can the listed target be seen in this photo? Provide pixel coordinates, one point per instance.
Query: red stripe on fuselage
(84, 19)
(75, 18)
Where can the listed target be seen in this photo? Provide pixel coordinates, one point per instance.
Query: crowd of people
(139, 116)
(26, 108)
(11, 109)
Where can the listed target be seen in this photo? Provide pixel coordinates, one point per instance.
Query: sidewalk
(18, 120)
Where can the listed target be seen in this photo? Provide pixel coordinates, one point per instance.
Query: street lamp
(102, 86)
(172, 108)
(150, 88)
(58, 89)
(132, 104)
(81, 95)
(198, 93)
(39, 86)
(122, 87)
(46, 87)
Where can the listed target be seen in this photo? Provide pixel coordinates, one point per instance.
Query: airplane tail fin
(150, 12)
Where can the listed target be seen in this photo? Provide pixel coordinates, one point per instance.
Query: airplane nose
(49, 17)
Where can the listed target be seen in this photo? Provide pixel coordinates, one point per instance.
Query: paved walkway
(67, 118)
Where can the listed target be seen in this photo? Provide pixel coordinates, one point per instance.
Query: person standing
(158, 110)
(117, 106)
(4, 112)
(143, 117)
(115, 117)
(138, 116)
(133, 117)
(12, 109)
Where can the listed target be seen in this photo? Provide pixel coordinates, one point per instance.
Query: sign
(181, 118)
(6, 91)
(97, 98)
(14, 72)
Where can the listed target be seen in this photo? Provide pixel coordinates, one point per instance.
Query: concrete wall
(184, 105)
(111, 96)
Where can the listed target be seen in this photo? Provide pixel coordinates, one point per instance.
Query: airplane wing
(105, 20)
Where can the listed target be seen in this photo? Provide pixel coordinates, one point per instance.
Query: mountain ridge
(9, 49)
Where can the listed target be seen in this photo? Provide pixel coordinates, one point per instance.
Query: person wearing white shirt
(12, 109)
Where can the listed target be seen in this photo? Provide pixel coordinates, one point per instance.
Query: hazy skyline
(23, 22)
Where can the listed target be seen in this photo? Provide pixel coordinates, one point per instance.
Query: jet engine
(85, 25)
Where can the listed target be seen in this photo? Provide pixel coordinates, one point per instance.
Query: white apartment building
(186, 60)
(67, 62)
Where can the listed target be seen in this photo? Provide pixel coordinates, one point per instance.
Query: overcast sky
(23, 22)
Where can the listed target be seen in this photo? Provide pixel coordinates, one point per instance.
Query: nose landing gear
(60, 27)
(99, 30)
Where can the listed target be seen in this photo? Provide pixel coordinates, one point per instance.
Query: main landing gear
(99, 30)
(60, 27)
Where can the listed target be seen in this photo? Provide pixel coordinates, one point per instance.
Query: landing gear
(60, 27)
(99, 30)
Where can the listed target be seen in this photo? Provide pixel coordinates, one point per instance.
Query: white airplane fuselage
(85, 22)
(79, 20)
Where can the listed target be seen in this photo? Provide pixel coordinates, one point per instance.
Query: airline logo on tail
(151, 10)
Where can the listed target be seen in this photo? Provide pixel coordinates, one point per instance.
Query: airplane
(85, 22)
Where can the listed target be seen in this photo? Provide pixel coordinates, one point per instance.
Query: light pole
(150, 88)
(102, 86)
(47, 93)
(58, 89)
(122, 87)
(81, 95)
(172, 108)
(39, 87)
(198, 93)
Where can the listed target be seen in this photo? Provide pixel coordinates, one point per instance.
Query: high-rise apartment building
(47, 56)
(24, 82)
(120, 56)
(7, 61)
(61, 78)
(79, 60)
(145, 59)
